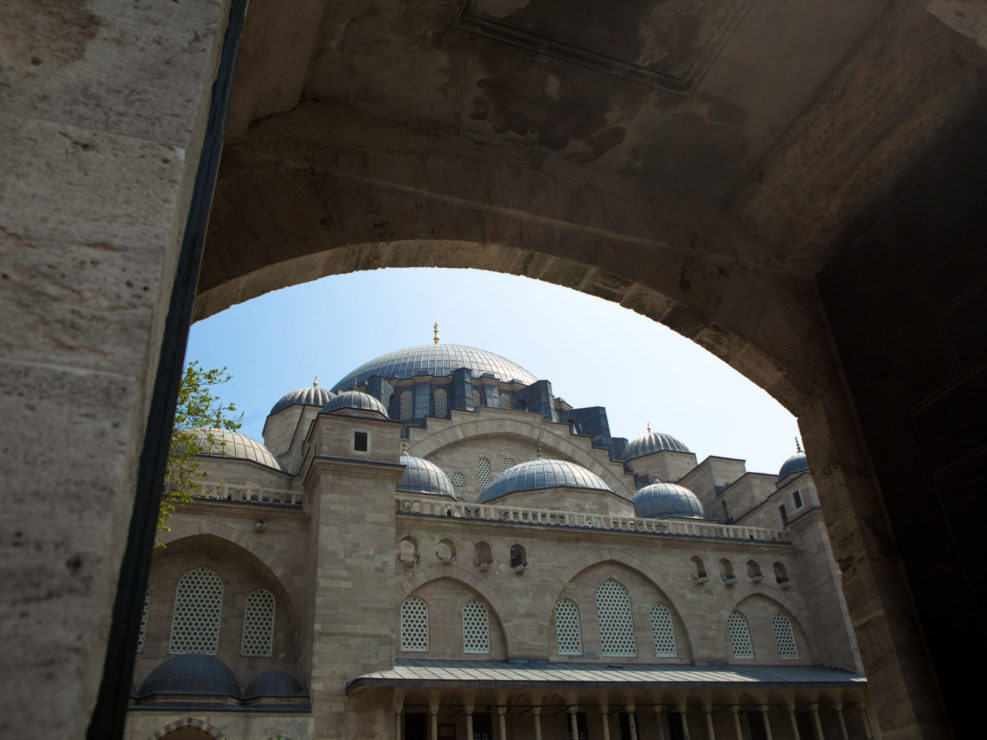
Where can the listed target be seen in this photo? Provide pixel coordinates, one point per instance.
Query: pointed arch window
(441, 402)
(414, 625)
(740, 636)
(785, 637)
(663, 632)
(476, 628)
(407, 405)
(198, 609)
(567, 629)
(258, 625)
(483, 472)
(613, 608)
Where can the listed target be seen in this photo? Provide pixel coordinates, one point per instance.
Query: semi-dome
(224, 443)
(311, 396)
(193, 673)
(667, 500)
(437, 360)
(650, 443)
(797, 463)
(355, 401)
(539, 474)
(422, 476)
(274, 684)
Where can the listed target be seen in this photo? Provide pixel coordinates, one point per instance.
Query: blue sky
(594, 352)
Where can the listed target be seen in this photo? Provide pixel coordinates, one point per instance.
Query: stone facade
(550, 574)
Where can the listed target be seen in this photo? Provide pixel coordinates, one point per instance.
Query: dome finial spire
(649, 427)
(538, 452)
(435, 332)
(798, 445)
(315, 383)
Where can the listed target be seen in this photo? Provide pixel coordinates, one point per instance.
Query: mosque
(441, 547)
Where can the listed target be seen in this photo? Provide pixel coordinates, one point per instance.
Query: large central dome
(437, 360)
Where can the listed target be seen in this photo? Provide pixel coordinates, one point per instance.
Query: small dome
(224, 443)
(438, 361)
(303, 397)
(355, 401)
(539, 474)
(667, 500)
(193, 673)
(797, 463)
(422, 476)
(274, 683)
(650, 443)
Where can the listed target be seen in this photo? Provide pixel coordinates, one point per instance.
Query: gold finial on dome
(649, 427)
(435, 332)
(798, 445)
(315, 383)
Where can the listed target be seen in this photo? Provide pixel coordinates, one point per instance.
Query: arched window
(143, 627)
(613, 609)
(441, 402)
(781, 573)
(414, 625)
(477, 397)
(505, 401)
(408, 550)
(483, 472)
(482, 555)
(509, 463)
(476, 628)
(700, 574)
(754, 570)
(198, 608)
(407, 405)
(446, 551)
(519, 558)
(740, 636)
(726, 571)
(258, 625)
(567, 629)
(663, 632)
(785, 637)
(458, 480)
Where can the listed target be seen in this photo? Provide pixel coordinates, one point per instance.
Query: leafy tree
(198, 409)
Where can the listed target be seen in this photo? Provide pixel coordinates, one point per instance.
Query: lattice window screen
(258, 625)
(509, 463)
(567, 628)
(663, 632)
(198, 608)
(483, 473)
(613, 608)
(458, 480)
(476, 628)
(407, 409)
(414, 625)
(505, 401)
(476, 397)
(740, 636)
(143, 628)
(785, 637)
(441, 400)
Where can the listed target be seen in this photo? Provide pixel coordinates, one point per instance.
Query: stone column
(660, 721)
(737, 729)
(794, 722)
(865, 716)
(573, 724)
(816, 722)
(631, 721)
(708, 711)
(398, 703)
(469, 702)
(605, 719)
(536, 713)
(683, 708)
(433, 715)
(844, 735)
(767, 722)
(502, 721)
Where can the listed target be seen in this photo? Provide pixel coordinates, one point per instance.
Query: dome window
(740, 636)
(568, 633)
(613, 608)
(198, 608)
(477, 398)
(414, 625)
(407, 405)
(505, 401)
(476, 628)
(458, 480)
(483, 472)
(441, 402)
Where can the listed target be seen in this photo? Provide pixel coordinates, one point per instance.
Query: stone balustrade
(580, 520)
(254, 495)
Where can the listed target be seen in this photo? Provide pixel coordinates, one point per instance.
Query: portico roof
(478, 674)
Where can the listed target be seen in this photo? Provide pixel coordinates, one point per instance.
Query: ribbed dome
(422, 476)
(652, 442)
(274, 683)
(797, 463)
(437, 360)
(191, 674)
(356, 401)
(664, 500)
(303, 397)
(236, 446)
(538, 474)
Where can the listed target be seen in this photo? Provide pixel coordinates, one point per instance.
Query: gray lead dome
(422, 476)
(538, 474)
(650, 443)
(667, 500)
(797, 463)
(223, 443)
(355, 401)
(303, 397)
(193, 673)
(437, 360)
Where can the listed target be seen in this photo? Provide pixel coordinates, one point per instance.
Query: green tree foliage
(199, 412)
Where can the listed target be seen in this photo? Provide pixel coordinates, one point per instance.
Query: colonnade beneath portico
(477, 714)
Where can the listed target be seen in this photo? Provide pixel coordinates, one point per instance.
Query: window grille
(198, 608)
(458, 480)
(476, 628)
(143, 628)
(509, 463)
(476, 397)
(258, 625)
(785, 637)
(414, 625)
(613, 608)
(407, 405)
(663, 632)
(483, 473)
(505, 401)
(441, 402)
(740, 636)
(567, 630)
